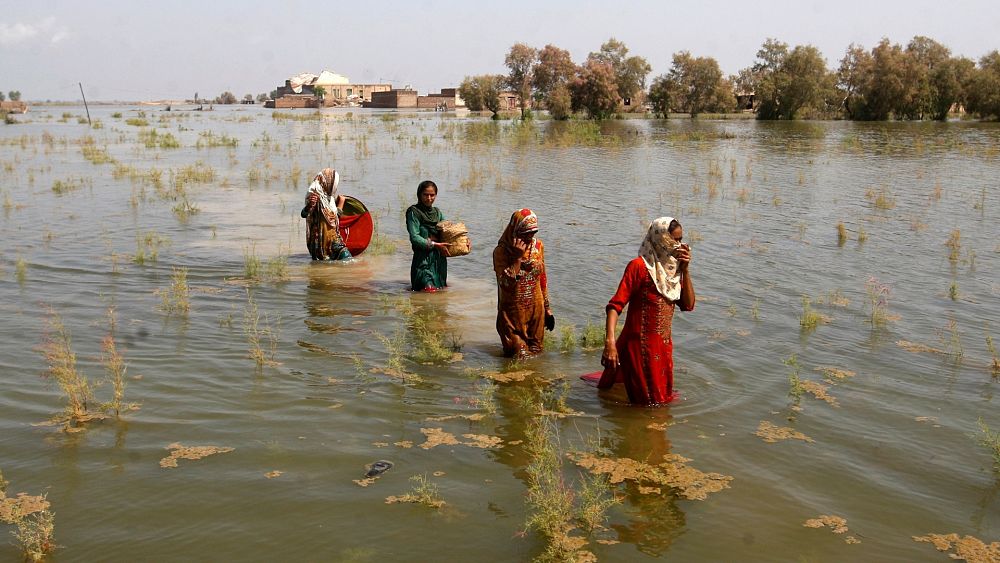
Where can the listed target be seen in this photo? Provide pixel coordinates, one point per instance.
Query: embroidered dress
(645, 347)
(523, 296)
(429, 267)
(323, 219)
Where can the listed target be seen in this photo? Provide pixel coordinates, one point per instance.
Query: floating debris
(437, 437)
(851, 540)
(381, 444)
(403, 444)
(967, 548)
(836, 524)
(561, 413)
(515, 442)
(482, 441)
(365, 482)
(831, 373)
(190, 452)
(471, 417)
(818, 390)
(608, 542)
(933, 419)
(438, 474)
(649, 490)
(771, 434)
(377, 468)
(507, 377)
(917, 347)
(12, 508)
(273, 474)
(411, 498)
(674, 472)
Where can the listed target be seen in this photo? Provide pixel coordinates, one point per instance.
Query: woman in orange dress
(652, 285)
(523, 311)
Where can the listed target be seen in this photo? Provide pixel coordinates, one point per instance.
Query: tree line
(919, 81)
(13, 95)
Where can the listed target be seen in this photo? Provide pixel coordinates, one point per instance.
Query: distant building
(404, 98)
(448, 99)
(337, 88)
(13, 106)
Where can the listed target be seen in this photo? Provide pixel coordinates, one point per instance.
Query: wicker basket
(456, 236)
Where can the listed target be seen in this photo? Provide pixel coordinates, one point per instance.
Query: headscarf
(657, 251)
(522, 222)
(428, 216)
(327, 179)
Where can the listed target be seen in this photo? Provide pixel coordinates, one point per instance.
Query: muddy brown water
(760, 203)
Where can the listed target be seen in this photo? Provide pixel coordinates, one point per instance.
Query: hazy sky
(136, 50)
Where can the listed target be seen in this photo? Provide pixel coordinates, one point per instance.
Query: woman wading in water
(653, 284)
(523, 311)
(322, 214)
(429, 268)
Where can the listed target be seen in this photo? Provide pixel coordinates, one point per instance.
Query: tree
(482, 92)
(694, 85)
(14, 95)
(2, 98)
(950, 82)
(248, 98)
(520, 61)
(595, 90)
(261, 98)
(559, 102)
(983, 97)
(629, 72)
(853, 77)
(226, 97)
(791, 84)
(319, 92)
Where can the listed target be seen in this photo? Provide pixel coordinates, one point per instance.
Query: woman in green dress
(429, 269)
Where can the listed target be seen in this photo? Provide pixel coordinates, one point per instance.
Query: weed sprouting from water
(594, 500)
(57, 348)
(184, 209)
(259, 334)
(176, 298)
(995, 365)
(550, 498)
(115, 366)
(989, 440)
(953, 291)
(592, 336)
(428, 344)
(882, 199)
(251, 262)
(396, 348)
(795, 388)
(423, 492)
(567, 338)
(147, 247)
(878, 302)
(21, 270)
(34, 534)
(954, 245)
(955, 348)
(485, 399)
(755, 309)
(810, 319)
(841, 234)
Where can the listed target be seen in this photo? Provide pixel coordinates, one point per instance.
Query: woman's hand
(440, 246)
(521, 246)
(340, 201)
(683, 256)
(609, 358)
(313, 199)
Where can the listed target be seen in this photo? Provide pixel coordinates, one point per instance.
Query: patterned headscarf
(327, 179)
(657, 251)
(522, 222)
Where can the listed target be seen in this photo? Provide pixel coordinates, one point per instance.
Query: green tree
(14, 95)
(630, 72)
(2, 98)
(555, 67)
(661, 95)
(482, 92)
(559, 102)
(595, 90)
(226, 97)
(791, 84)
(319, 92)
(887, 88)
(694, 85)
(983, 96)
(854, 77)
(520, 62)
(261, 98)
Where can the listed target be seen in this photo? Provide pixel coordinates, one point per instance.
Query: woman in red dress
(653, 284)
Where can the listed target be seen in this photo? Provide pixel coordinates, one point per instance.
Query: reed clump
(34, 533)
(429, 344)
(795, 388)
(810, 318)
(115, 367)
(251, 262)
(422, 492)
(380, 244)
(841, 233)
(57, 348)
(147, 247)
(878, 302)
(954, 244)
(485, 398)
(153, 140)
(567, 338)
(21, 270)
(995, 364)
(989, 440)
(262, 338)
(176, 300)
(592, 336)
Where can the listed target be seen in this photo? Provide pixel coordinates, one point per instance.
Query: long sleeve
(417, 241)
(621, 297)
(501, 266)
(543, 278)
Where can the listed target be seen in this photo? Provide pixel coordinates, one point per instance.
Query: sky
(137, 50)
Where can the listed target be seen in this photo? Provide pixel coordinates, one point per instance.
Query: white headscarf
(327, 202)
(657, 251)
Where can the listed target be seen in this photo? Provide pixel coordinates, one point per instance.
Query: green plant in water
(3, 483)
(115, 367)
(810, 318)
(995, 365)
(841, 233)
(485, 399)
(953, 291)
(955, 341)
(276, 268)
(176, 298)
(549, 499)
(989, 440)
(428, 344)
(251, 262)
(424, 492)
(954, 244)
(259, 334)
(184, 209)
(21, 270)
(878, 302)
(567, 338)
(755, 309)
(34, 535)
(57, 349)
(795, 388)
(594, 500)
(592, 336)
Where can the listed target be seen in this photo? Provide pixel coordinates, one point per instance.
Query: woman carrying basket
(429, 268)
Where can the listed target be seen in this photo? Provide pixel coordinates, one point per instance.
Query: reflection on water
(361, 363)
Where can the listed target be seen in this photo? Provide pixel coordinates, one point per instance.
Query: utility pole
(85, 104)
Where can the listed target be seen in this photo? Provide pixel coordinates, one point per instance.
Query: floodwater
(895, 452)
